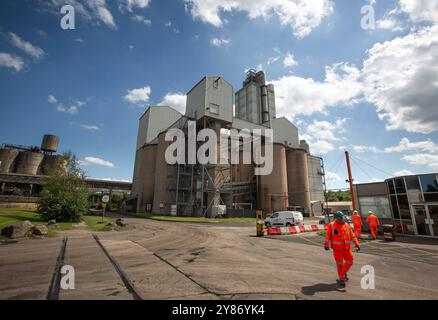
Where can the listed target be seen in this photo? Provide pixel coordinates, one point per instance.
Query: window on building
(431, 197)
(399, 186)
(429, 183)
(414, 190)
(214, 108)
(403, 206)
(394, 206)
(378, 204)
(391, 187)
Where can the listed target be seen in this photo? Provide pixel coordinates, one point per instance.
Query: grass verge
(188, 219)
(16, 216)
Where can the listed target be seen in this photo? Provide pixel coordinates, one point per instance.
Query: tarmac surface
(184, 261)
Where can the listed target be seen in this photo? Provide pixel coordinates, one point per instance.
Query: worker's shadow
(321, 287)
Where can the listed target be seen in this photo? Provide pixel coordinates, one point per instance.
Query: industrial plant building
(410, 203)
(296, 181)
(23, 169)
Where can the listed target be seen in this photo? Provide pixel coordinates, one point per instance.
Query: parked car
(285, 219)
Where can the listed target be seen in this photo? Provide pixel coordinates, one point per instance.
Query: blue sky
(372, 91)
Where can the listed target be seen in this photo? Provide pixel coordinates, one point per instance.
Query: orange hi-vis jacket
(356, 219)
(373, 221)
(339, 237)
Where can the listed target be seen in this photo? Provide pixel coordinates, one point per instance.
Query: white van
(285, 219)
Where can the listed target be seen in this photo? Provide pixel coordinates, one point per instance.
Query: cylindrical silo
(243, 172)
(50, 143)
(145, 179)
(52, 162)
(162, 199)
(7, 160)
(298, 179)
(274, 186)
(28, 162)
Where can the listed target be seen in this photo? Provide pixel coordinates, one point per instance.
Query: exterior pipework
(275, 184)
(298, 179)
(28, 162)
(7, 159)
(265, 104)
(50, 143)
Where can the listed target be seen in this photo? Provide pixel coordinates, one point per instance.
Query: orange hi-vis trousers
(374, 231)
(344, 261)
(357, 230)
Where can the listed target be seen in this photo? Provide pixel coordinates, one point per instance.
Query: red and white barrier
(281, 231)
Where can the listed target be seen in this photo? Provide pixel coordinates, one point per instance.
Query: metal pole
(350, 179)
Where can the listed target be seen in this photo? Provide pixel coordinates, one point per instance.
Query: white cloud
(52, 99)
(420, 10)
(219, 42)
(321, 134)
(142, 19)
(430, 160)
(389, 23)
(176, 101)
(26, 46)
(131, 4)
(321, 147)
(364, 149)
(332, 177)
(89, 161)
(301, 15)
(328, 131)
(296, 95)
(406, 145)
(138, 96)
(90, 10)
(403, 172)
(289, 61)
(10, 61)
(89, 127)
(401, 78)
(71, 109)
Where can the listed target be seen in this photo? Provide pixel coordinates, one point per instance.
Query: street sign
(105, 199)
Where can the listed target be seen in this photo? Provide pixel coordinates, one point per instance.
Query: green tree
(65, 192)
(335, 196)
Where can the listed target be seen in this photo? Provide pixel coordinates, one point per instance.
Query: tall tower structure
(255, 102)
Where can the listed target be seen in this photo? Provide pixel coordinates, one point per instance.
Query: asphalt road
(168, 260)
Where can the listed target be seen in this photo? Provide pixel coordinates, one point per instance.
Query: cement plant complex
(296, 182)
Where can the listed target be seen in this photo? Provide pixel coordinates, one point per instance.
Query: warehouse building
(410, 203)
(204, 190)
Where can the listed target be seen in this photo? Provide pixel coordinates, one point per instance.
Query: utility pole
(350, 179)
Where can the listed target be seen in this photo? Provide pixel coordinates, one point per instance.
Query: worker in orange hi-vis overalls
(374, 223)
(339, 236)
(357, 223)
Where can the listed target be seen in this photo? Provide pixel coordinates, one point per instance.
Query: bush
(65, 192)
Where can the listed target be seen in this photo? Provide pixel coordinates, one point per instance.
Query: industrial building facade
(23, 170)
(197, 189)
(410, 203)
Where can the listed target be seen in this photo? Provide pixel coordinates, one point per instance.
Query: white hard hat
(370, 212)
(355, 211)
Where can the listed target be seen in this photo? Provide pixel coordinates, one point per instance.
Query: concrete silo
(298, 179)
(28, 162)
(144, 178)
(7, 160)
(162, 198)
(275, 185)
